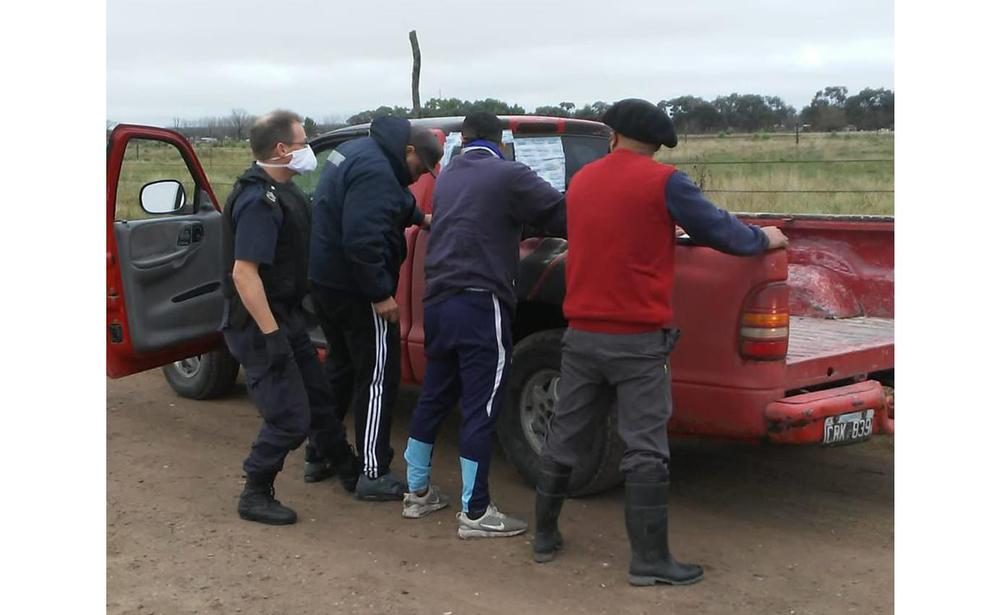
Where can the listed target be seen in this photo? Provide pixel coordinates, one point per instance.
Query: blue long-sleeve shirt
(481, 204)
(706, 223)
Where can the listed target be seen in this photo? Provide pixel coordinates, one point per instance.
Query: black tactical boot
(341, 462)
(318, 468)
(347, 466)
(646, 522)
(552, 489)
(257, 502)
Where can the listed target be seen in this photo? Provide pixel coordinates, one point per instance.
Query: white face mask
(303, 161)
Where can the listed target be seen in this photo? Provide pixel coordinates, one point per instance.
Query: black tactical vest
(286, 281)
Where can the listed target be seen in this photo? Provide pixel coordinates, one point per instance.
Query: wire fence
(694, 163)
(759, 177)
(820, 161)
(800, 191)
(863, 184)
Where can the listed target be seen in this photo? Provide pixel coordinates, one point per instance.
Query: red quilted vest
(620, 264)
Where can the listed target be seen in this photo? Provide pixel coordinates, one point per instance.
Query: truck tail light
(764, 324)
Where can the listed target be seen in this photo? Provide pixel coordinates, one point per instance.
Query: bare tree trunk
(415, 82)
(238, 119)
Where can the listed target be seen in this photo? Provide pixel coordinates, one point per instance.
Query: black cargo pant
(363, 370)
(637, 368)
(294, 400)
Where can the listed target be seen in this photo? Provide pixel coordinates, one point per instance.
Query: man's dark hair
(482, 125)
(270, 130)
(427, 146)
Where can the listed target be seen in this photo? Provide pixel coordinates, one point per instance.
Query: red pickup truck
(792, 346)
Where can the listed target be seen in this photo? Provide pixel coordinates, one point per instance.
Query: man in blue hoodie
(481, 204)
(362, 206)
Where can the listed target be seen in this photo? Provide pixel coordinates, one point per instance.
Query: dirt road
(788, 531)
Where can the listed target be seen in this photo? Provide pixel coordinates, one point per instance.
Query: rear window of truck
(556, 158)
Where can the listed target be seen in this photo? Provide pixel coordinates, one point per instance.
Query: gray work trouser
(636, 367)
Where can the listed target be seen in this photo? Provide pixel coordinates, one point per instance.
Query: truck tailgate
(823, 350)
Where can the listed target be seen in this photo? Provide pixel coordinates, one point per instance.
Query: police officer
(621, 212)
(266, 244)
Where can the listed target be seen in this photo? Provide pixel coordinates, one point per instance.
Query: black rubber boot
(257, 502)
(552, 489)
(646, 522)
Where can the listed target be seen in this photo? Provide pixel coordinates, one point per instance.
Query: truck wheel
(531, 397)
(205, 376)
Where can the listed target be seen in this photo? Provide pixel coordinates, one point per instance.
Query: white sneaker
(415, 506)
(493, 524)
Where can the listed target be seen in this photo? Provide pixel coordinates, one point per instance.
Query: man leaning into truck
(481, 204)
(363, 205)
(621, 212)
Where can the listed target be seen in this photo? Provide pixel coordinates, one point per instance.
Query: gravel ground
(792, 531)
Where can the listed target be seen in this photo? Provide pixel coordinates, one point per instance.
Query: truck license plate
(848, 428)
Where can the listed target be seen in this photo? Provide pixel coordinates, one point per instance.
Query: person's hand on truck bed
(775, 238)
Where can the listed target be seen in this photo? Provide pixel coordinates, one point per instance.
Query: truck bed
(810, 338)
(826, 349)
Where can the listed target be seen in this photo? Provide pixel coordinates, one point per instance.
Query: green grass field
(699, 157)
(147, 161)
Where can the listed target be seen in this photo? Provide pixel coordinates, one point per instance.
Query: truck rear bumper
(800, 419)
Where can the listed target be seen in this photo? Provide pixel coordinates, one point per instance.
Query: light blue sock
(418, 464)
(469, 470)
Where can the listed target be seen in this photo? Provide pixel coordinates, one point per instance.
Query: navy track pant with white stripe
(363, 369)
(468, 347)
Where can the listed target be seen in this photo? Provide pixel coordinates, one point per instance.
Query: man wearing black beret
(621, 216)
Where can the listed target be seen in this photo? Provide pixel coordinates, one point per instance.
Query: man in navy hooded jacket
(481, 204)
(362, 206)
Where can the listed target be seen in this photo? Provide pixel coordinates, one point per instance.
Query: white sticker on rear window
(545, 156)
(452, 145)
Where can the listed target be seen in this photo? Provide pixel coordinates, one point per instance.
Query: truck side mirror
(162, 197)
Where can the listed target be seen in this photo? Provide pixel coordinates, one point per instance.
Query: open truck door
(164, 252)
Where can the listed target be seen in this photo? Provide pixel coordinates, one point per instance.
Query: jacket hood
(392, 135)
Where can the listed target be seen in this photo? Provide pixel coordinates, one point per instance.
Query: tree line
(831, 109)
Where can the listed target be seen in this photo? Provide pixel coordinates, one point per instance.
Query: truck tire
(531, 395)
(205, 376)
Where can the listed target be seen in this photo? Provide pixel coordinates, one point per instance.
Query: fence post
(796, 133)
(415, 78)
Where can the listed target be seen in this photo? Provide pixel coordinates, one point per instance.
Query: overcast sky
(329, 59)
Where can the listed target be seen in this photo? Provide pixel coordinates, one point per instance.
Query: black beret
(641, 120)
